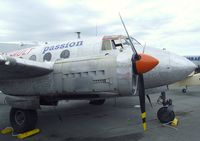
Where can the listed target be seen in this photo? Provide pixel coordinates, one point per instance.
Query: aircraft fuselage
(93, 66)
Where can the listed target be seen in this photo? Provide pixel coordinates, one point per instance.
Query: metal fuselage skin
(90, 70)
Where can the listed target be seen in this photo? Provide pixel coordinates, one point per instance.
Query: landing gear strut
(23, 120)
(165, 114)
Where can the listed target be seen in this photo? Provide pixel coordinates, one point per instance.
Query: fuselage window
(33, 57)
(47, 57)
(106, 45)
(125, 42)
(65, 54)
(118, 44)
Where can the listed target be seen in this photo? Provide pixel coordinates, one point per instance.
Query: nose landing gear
(165, 114)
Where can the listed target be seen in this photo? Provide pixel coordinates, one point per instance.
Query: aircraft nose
(171, 68)
(180, 67)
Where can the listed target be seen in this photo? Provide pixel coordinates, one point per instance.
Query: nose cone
(180, 67)
(171, 68)
(145, 63)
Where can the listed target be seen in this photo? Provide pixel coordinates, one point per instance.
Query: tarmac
(117, 120)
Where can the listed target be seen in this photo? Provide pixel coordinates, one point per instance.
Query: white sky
(170, 24)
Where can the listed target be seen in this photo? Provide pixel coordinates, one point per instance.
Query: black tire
(97, 102)
(165, 116)
(184, 90)
(23, 120)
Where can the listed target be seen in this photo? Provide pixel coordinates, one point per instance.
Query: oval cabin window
(65, 54)
(33, 58)
(47, 57)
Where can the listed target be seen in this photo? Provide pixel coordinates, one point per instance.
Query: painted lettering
(72, 44)
(79, 43)
(57, 47)
(45, 50)
(20, 52)
(51, 48)
(61, 46)
(66, 46)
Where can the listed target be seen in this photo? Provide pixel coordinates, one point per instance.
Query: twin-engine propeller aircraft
(85, 69)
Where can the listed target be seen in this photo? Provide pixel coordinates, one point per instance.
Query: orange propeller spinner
(145, 63)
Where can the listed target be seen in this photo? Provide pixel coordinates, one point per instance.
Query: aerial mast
(78, 34)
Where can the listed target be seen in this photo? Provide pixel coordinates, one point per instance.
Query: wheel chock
(28, 134)
(7, 130)
(174, 123)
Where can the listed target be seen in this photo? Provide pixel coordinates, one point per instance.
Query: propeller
(144, 47)
(141, 63)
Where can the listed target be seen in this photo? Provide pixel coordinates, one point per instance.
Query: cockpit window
(134, 41)
(106, 45)
(118, 42)
(125, 42)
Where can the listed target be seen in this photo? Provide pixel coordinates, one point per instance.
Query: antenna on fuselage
(78, 34)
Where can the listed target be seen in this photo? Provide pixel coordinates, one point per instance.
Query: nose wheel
(165, 114)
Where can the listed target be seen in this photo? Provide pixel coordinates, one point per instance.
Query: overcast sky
(170, 24)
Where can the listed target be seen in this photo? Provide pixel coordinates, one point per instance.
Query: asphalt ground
(117, 120)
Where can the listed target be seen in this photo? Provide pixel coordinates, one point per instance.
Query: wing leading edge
(16, 68)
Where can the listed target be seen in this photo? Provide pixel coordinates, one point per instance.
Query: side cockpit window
(117, 43)
(125, 42)
(112, 42)
(106, 45)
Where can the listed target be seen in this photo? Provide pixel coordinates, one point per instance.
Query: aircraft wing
(16, 68)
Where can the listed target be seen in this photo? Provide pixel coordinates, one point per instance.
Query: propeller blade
(145, 64)
(144, 47)
(142, 100)
(135, 56)
(141, 63)
(136, 63)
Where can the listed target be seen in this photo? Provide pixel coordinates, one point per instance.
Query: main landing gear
(23, 120)
(165, 114)
(97, 102)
